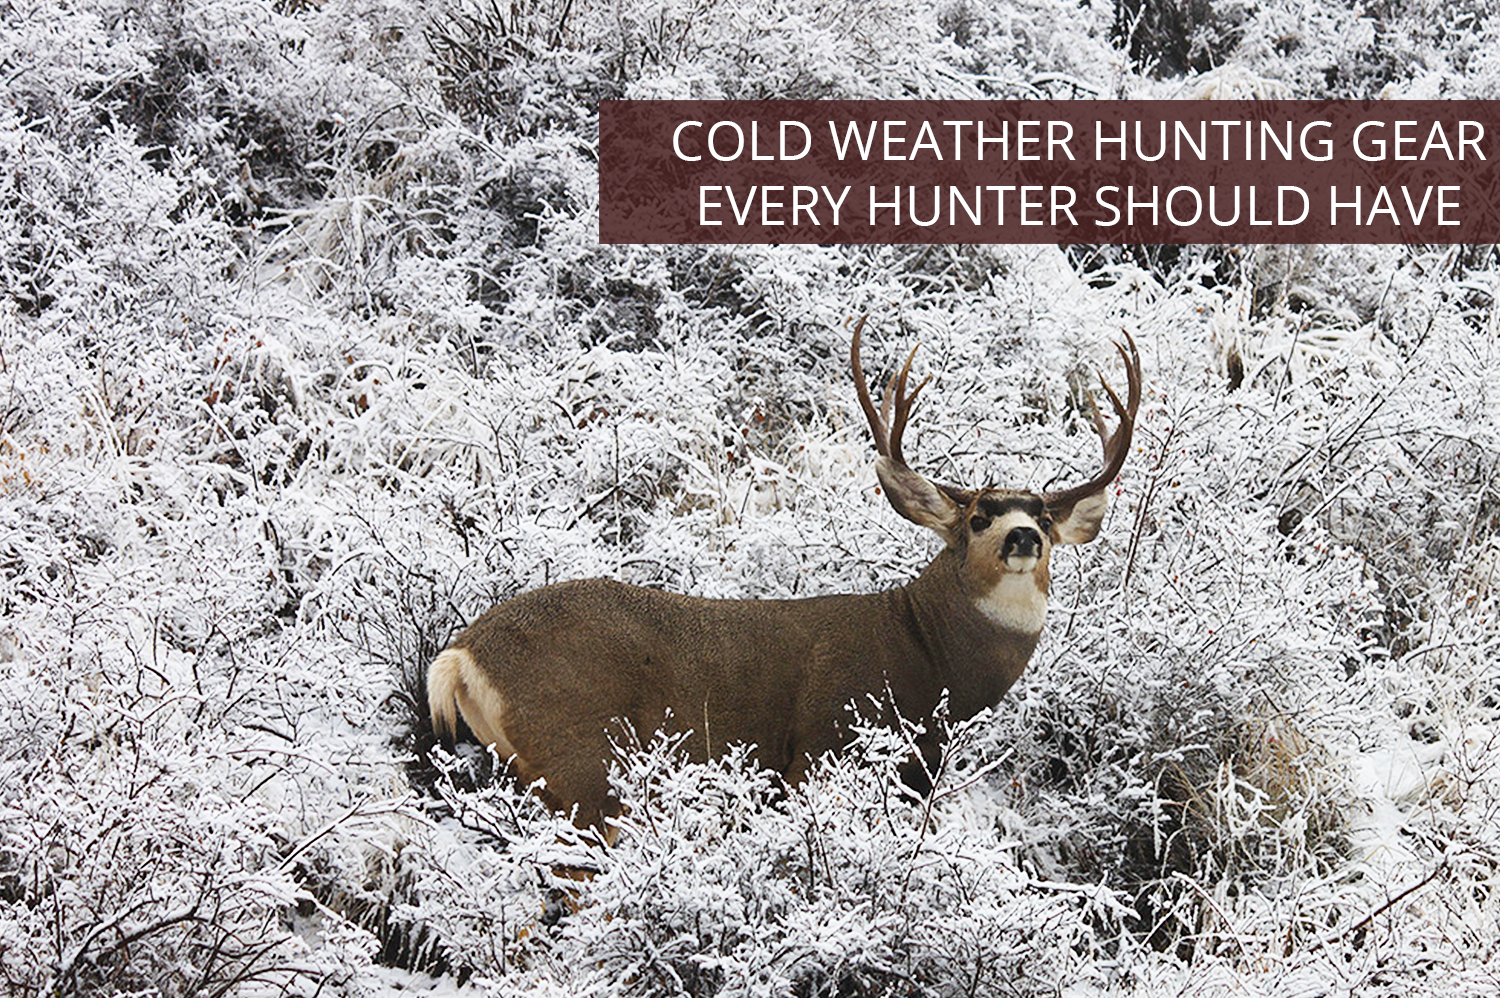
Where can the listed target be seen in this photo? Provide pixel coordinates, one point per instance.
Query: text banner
(1049, 171)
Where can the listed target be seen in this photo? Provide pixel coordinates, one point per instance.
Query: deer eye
(1046, 524)
(978, 523)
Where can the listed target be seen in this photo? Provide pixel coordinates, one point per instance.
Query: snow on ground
(308, 354)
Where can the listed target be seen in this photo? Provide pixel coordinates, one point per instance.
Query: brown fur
(570, 660)
(547, 676)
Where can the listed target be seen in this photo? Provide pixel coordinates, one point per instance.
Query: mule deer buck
(543, 676)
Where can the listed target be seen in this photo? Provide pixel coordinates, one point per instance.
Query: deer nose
(1022, 542)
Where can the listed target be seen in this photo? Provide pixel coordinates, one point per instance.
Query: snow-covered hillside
(308, 354)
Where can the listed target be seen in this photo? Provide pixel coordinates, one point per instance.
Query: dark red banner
(1049, 171)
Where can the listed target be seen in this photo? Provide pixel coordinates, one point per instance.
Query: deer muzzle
(1022, 542)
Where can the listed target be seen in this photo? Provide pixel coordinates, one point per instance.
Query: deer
(545, 676)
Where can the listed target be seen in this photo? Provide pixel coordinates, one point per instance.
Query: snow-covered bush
(722, 881)
(309, 353)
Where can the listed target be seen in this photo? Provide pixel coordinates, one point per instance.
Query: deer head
(1002, 536)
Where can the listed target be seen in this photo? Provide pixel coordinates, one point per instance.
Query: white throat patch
(1015, 603)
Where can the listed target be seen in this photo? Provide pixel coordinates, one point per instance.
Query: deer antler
(1116, 445)
(887, 435)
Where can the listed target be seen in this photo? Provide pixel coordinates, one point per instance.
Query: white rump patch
(455, 679)
(1015, 603)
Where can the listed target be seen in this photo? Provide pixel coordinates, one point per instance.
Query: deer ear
(1079, 523)
(917, 499)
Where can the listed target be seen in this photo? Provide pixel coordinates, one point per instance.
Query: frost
(309, 354)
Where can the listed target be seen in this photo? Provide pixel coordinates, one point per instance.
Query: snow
(309, 354)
